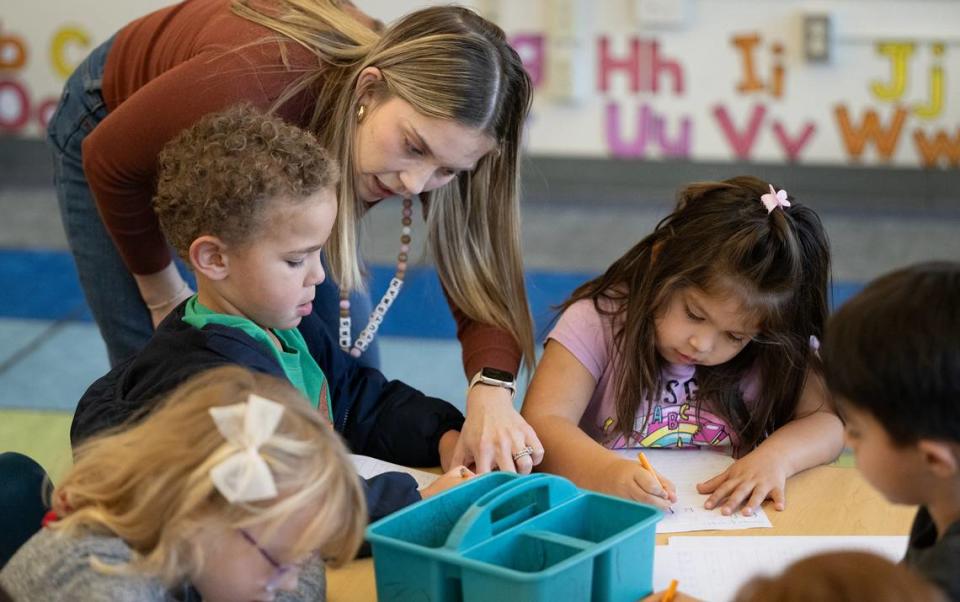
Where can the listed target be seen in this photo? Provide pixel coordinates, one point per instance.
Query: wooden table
(827, 500)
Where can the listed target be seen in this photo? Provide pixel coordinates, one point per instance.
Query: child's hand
(451, 478)
(448, 442)
(749, 481)
(628, 479)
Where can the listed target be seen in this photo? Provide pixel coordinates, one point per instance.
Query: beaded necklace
(393, 289)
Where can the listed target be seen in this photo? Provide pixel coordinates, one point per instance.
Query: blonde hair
(220, 175)
(150, 484)
(448, 63)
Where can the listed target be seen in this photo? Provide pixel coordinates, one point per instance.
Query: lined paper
(685, 468)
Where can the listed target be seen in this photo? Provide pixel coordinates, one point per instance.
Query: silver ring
(523, 452)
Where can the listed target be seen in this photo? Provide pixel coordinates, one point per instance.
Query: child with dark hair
(892, 361)
(891, 358)
(704, 334)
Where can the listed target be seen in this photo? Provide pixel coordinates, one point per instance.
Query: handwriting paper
(714, 568)
(685, 468)
(370, 467)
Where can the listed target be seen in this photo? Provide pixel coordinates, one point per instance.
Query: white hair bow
(245, 476)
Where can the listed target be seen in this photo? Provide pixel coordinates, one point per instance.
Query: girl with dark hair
(704, 334)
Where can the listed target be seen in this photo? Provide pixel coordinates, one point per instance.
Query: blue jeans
(110, 290)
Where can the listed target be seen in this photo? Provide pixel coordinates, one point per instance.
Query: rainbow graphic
(676, 426)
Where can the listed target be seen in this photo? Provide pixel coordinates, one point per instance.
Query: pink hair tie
(774, 198)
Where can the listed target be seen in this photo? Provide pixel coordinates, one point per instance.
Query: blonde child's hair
(448, 63)
(841, 577)
(219, 175)
(150, 484)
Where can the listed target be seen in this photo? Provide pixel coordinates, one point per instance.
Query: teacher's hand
(162, 291)
(159, 312)
(494, 433)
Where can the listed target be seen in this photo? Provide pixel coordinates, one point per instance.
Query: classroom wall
(696, 80)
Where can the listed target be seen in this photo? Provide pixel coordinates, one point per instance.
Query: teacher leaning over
(433, 106)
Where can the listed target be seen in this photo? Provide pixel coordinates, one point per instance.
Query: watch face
(501, 375)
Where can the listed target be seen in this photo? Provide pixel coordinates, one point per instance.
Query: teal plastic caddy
(512, 538)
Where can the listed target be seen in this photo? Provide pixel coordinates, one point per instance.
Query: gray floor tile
(865, 247)
(31, 219)
(57, 372)
(15, 335)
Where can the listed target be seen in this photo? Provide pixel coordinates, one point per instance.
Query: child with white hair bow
(235, 488)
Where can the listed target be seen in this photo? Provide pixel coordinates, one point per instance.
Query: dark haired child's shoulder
(935, 557)
(175, 352)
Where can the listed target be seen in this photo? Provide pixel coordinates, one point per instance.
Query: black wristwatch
(495, 378)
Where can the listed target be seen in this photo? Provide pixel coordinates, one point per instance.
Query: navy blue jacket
(376, 417)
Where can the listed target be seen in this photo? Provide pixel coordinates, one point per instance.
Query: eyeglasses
(279, 569)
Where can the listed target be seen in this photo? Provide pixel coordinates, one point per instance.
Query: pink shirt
(673, 420)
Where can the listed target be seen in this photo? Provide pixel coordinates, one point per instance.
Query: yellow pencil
(671, 592)
(646, 465)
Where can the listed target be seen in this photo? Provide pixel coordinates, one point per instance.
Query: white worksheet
(714, 568)
(370, 467)
(685, 468)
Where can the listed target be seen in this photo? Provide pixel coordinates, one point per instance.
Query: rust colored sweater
(164, 72)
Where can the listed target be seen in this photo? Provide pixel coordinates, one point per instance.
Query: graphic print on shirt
(674, 421)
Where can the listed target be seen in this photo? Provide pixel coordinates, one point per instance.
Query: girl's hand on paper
(451, 478)
(628, 479)
(749, 481)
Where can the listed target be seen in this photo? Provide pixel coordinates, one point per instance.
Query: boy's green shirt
(298, 365)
